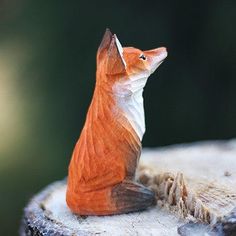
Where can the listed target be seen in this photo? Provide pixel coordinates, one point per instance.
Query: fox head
(126, 69)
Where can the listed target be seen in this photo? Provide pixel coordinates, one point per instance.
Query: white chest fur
(129, 98)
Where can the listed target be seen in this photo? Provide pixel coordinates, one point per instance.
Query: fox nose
(161, 49)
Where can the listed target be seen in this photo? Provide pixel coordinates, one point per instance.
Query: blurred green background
(47, 76)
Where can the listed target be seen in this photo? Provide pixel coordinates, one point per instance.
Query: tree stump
(206, 171)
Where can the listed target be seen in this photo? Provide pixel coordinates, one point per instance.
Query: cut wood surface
(197, 180)
(191, 166)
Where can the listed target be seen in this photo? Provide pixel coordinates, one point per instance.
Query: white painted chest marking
(129, 98)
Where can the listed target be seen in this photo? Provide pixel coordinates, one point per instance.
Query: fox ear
(115, 61)
(106, 41)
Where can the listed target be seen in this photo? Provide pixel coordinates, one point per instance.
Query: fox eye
(142, 57)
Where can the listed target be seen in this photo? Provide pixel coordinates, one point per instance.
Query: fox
(101, 173)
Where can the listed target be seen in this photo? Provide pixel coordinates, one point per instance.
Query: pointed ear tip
(106, 40)
(108, 32)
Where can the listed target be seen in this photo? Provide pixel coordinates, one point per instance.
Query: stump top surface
(48, 212)
(211, 161)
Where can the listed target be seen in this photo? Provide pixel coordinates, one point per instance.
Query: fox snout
(155, 57)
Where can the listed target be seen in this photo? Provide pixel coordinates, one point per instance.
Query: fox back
(106, 155)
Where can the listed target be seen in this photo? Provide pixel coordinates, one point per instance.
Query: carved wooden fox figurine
(103, 164)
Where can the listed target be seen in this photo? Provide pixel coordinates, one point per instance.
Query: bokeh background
(47, 77)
